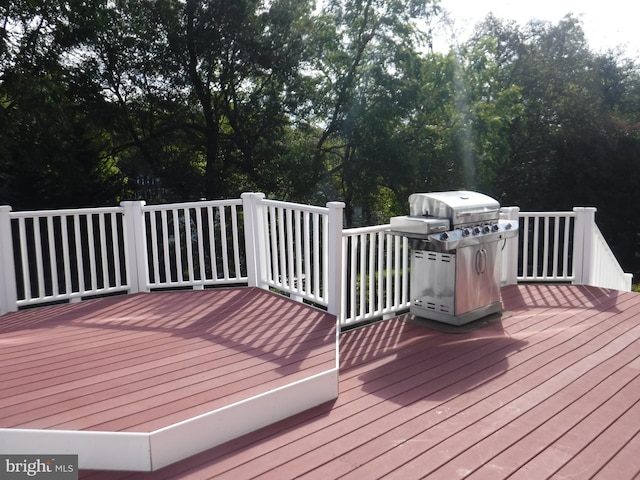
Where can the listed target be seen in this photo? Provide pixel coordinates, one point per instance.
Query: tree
(54, 150)
(576, 140)
(239, 61)
(361, 48)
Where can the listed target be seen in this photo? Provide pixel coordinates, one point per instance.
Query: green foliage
(174, 100)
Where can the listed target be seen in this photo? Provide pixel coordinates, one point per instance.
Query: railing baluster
(212, 243)
(536, 245)
(371, 274)
(79, 258)
(24, 255)
(317, 256)
(188, 239)
(155, 257)
(565, 262)
(282, 248)
(37, 241)
(164, 221)
(525, 249)
(92, 252)
(397, 285)
(53, 258)
(381, 272)
(236, 245)
(223, 242)
(390, 270)
(275, 246)
(308, 255)
(103, 252)
(405, 268)
(353, 281)
(177, 246)
(115, 236)
(200, 239)
(289, 241)
(556, 245)
(64, 229)
(299, 253)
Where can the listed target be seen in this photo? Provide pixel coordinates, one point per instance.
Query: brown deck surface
(552, 391)
(146, 361)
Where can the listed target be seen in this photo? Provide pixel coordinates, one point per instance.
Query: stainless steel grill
(455, 258)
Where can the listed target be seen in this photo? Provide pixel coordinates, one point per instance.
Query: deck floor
(551, 391)
(137, 363)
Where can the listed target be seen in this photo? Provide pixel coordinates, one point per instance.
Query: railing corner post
(254, 237)
(511, 251)
(583, 245)
(8, 287)
(136, 246)
(335, 266)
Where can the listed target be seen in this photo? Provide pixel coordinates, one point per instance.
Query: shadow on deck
(139, 381)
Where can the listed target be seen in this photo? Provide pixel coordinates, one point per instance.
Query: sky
(607, 24)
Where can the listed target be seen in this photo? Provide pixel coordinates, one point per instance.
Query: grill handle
(481, 261)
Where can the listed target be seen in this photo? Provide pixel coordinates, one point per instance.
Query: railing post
(510, 252)
(583, 245)
(335, 266)
(136, 246)
(8, 288)
(254, 238)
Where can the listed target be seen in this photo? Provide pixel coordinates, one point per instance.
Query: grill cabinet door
(477, 277)
(432, 282)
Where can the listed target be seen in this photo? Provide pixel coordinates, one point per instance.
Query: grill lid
(460, 207)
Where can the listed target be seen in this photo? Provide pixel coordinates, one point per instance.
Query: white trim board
(140, 451)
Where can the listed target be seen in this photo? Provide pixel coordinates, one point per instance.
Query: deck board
(142, 362)
(551, 390)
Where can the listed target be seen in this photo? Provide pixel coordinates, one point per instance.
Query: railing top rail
(297, 206)
(548, 214)
(362, 230)
(195, 204)
(65, 211)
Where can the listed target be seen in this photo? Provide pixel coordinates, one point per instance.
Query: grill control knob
(444, 236)
(486, 229)
(508, 226)
(476, 230)
(465, 232)
(495, 227)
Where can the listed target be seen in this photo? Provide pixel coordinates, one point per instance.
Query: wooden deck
(138, 364)
(551, 391)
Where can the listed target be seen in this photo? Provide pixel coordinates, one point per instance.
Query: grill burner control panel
(462, 237)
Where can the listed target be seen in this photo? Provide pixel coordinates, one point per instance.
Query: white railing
(194, 244)
(374, 274)
(546, 247)
(358, 274)
(62, 254)
(292, 248)
(567, 247)
(605, 270)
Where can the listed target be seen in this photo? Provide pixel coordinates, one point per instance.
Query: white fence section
(567, 247)
(64, 254)
(194, 244)
(292, 248)
(546, 247)
(600, 267)
(375, 267)
(300, 250)
(605, 270)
